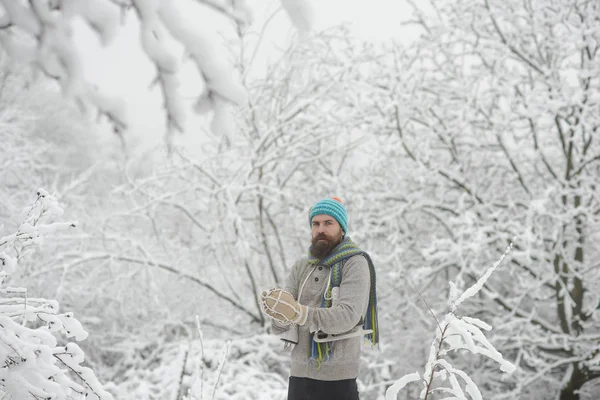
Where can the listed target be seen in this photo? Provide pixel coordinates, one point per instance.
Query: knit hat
(333, 207)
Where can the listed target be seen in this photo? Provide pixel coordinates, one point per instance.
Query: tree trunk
(578, 378)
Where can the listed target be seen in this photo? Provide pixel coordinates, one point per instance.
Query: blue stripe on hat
(333, 208)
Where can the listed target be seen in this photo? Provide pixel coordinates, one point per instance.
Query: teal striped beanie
(333, 207)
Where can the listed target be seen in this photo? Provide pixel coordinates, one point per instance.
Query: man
(328, 302)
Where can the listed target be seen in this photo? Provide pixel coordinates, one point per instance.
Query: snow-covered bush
(455, 333)
(34, 365)
(249, 368)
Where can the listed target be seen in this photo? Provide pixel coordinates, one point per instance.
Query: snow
(300, 12)
(393, 390)
(32, 358)
(22, 16)
(427, 141)
(479, 285)
(456, 333)
(213, 66)
(102, 17)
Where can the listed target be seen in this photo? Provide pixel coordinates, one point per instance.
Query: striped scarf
(335, 260)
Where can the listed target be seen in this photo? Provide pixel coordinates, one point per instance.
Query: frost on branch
(33, 365)
(455, 333)
(248, 368)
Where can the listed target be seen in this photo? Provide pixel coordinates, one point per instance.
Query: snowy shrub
(250, 368)
(455, 333)
(34, 366)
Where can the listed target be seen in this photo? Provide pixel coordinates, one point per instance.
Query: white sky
(372, 19)
(123, 70)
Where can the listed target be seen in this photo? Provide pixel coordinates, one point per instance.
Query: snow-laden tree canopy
(40, 33)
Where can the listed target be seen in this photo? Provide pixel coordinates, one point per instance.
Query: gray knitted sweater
(345, 315)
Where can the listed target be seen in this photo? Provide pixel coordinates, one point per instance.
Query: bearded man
(328, 302)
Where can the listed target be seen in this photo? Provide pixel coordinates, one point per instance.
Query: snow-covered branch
(30, 354)
(456, 333)
(40, 33)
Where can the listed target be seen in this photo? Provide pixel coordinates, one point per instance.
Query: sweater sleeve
(352, 303)
(290, 286)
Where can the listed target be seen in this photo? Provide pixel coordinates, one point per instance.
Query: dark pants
(311, 389)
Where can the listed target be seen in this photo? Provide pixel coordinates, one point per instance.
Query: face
(326, 234)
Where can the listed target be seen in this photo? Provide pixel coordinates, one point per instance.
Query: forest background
(475, 128)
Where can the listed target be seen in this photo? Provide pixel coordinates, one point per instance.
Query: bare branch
(505, 41)
(513, 165)
(585, 164)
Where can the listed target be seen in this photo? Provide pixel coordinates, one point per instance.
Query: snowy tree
(34, 366)
(442, 152)
(41, 33)
(44, 143)
(207, 368)
(201, 233)
(496, 107)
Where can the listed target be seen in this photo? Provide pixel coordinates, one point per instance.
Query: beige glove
(281, 306)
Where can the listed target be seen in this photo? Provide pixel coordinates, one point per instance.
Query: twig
(220, 368)
(429, 308)
(201, 368)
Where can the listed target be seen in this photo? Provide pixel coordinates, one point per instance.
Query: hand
(281, 306)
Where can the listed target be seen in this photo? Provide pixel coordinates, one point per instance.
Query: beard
(322, 248)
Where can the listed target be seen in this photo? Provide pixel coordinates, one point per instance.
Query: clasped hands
(282, 307)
